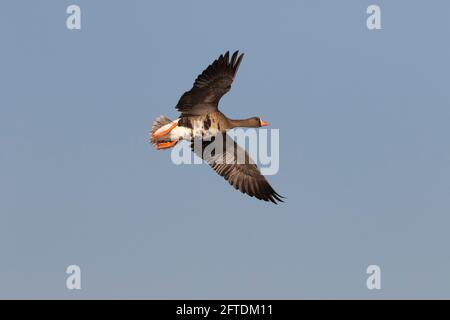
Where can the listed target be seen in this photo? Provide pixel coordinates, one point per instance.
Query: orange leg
(165, 145)
(161, 134)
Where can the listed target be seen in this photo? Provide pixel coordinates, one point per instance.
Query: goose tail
(159, 123)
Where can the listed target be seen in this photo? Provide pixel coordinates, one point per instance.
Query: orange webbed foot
(165, 145)
(161, 133)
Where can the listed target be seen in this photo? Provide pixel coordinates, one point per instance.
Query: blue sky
(364, 150)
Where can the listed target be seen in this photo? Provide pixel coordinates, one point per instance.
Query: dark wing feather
(233, 163)
(210, 86)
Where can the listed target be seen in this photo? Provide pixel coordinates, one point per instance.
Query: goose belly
(196, 127)
(180, 133)
(200, 130)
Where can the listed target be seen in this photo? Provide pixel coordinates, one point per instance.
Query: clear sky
(364, 156)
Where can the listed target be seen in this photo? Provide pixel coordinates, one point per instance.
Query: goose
(205, 127)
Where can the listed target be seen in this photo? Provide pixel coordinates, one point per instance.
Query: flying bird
(205, 126)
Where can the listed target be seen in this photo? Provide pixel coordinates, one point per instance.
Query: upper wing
(210, 86)
(233, 163)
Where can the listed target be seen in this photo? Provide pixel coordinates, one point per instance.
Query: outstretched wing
(210, 86)
(233, 163)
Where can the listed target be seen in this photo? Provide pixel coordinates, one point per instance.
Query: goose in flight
(206, 127)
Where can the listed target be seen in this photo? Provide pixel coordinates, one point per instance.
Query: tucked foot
(165, 145)
(164, 131)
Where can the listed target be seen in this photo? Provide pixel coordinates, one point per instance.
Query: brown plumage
(205, 126)
(210, 86)
(235, 165)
